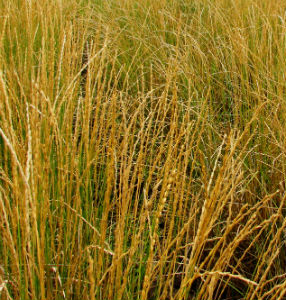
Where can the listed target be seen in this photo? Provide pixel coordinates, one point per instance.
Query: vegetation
(142, 149)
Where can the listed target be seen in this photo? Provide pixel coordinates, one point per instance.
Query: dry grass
(142, 149)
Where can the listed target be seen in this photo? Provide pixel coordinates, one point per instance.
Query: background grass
(142, 149)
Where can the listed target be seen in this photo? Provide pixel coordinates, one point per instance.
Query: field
(142, 149)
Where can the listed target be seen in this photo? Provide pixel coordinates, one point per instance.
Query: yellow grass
(142, 149)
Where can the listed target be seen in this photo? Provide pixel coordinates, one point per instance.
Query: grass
(142, 153)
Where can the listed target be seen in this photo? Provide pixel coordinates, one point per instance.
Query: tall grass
(142, 149)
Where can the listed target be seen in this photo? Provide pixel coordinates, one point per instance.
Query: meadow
(142, 149)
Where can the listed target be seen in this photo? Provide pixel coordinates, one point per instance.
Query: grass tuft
(142, 149)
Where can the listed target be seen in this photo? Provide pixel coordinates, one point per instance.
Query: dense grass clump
(142, 149)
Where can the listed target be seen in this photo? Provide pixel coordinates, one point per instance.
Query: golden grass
(142, 149)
